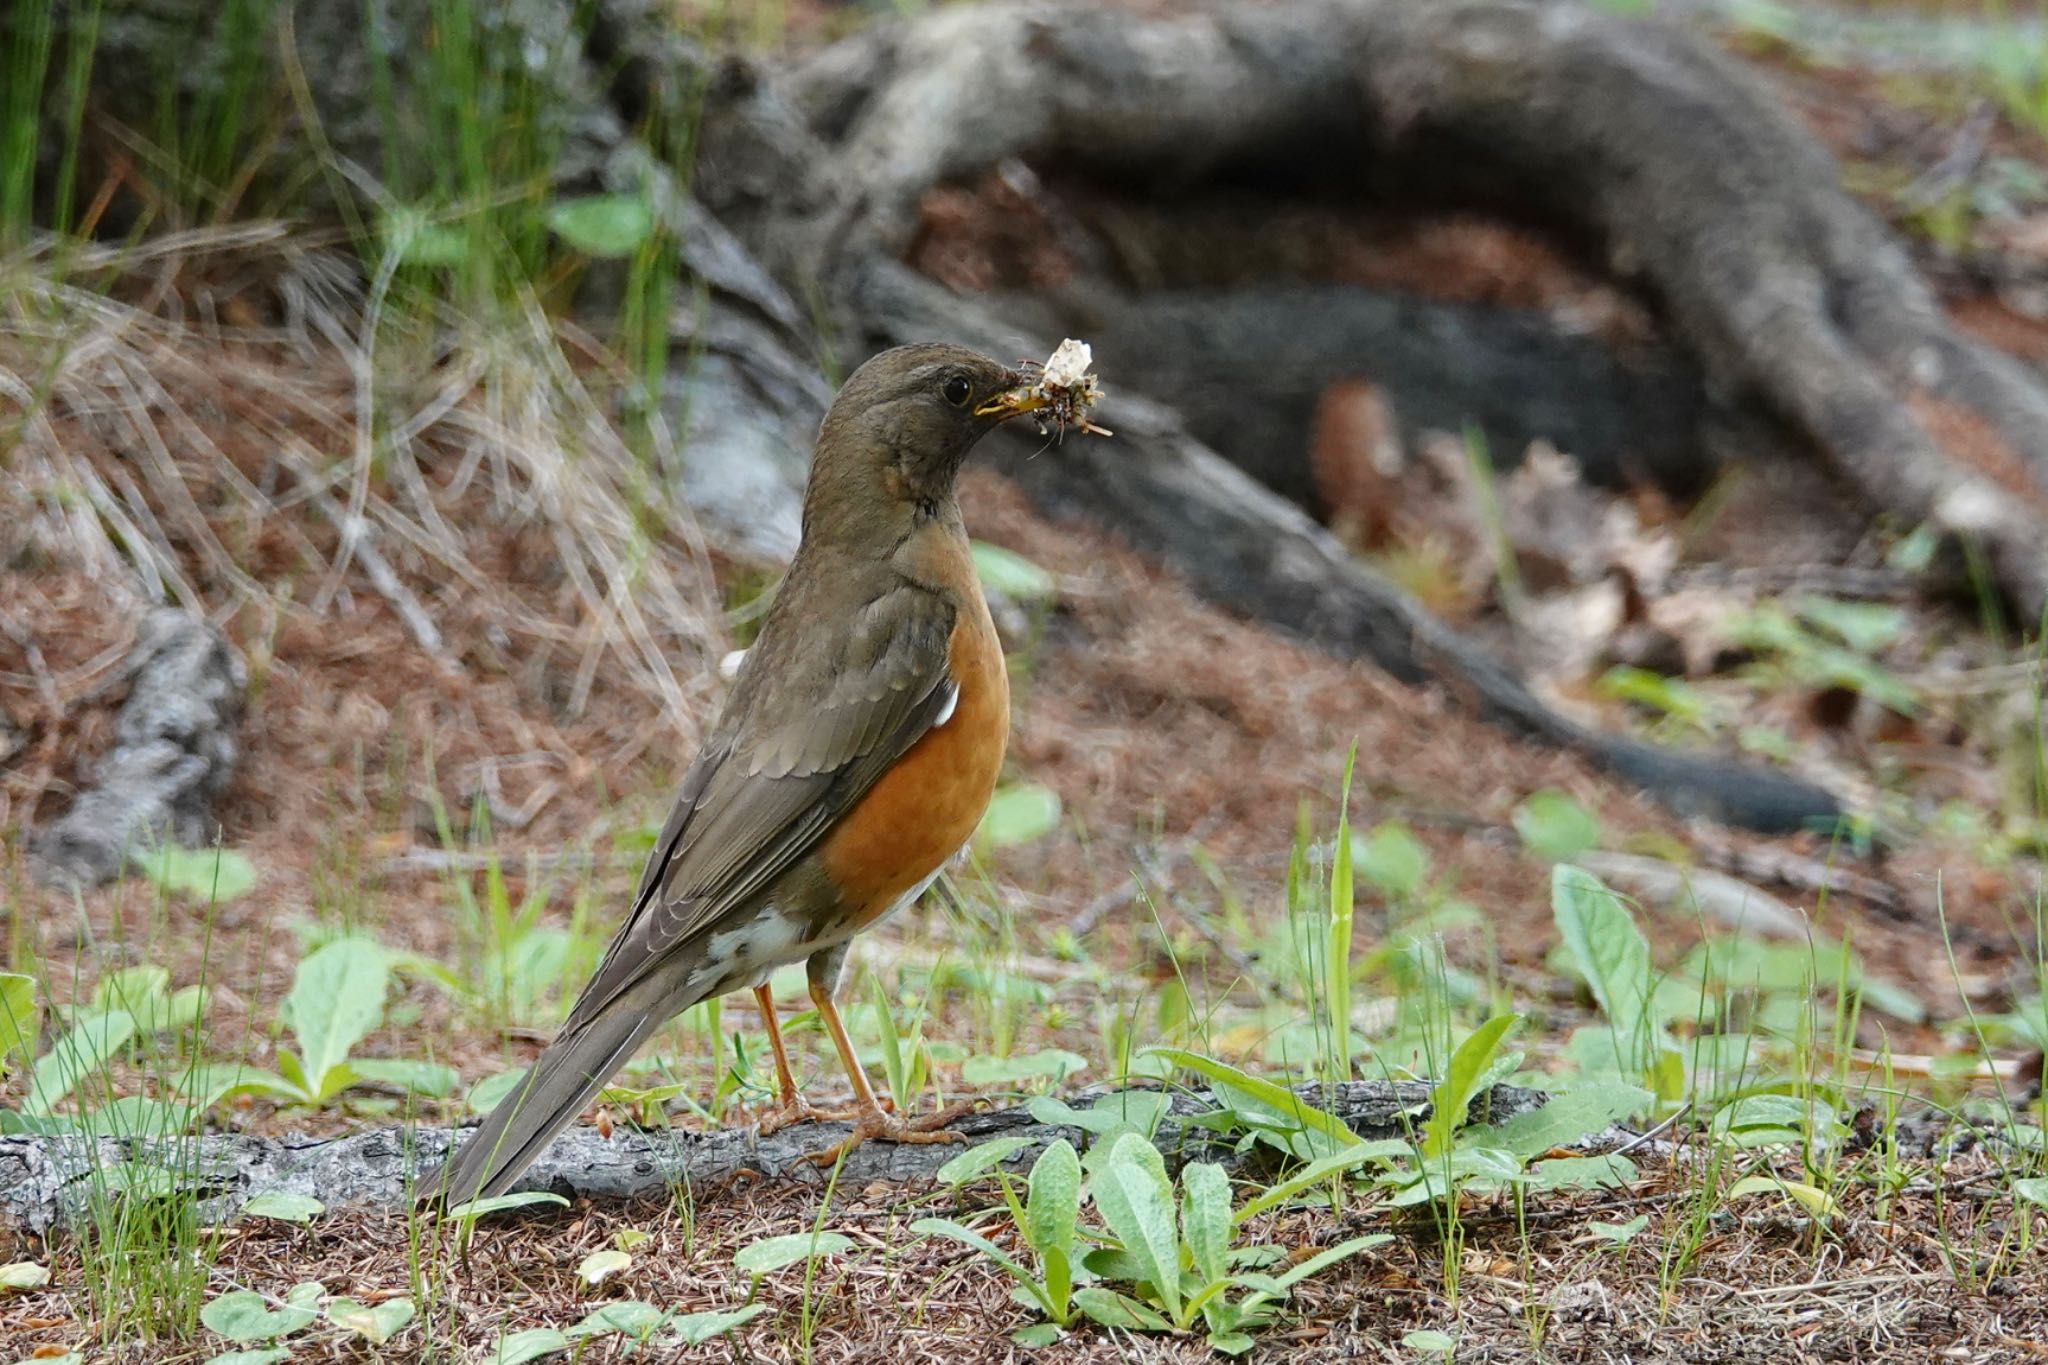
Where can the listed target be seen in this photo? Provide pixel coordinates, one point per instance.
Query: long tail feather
(574, 1068)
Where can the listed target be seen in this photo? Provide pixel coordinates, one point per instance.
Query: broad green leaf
(209, 875)
(1429, 1339)
(23, 1275)
(1012, 575)
(134, 989)
(630, 1316)
(1132, 1194)
(1574, 1114)
(1556, 828)
(1618, 1234)
(17, 1014)
(1462, 1079)
(694, 1329)
(534, 1343)
(2032, 1190)
(208, 1083)
(1205, 1219)
(1047, 1063)
(978, 1161)
(1053, 1200)
(1237, 1088)
(1038, 1335)
(603, 225)
(1137, 1110)
(1112, 1309)
(415, 239)
(243, 1315)
(262, 1355)
(1615, 958)
(594, 1268)
(285, 1208)
(1020, 814)
(1866, 627)
(375, 1325)
(1393, 859)
(773, 1253)
(1817, 1202)
(966, 1236)
(489, 1092)
(1230, 1343)
(139, 1117)
(1608, 1171)
(431, 1079)
(91, 1041)
(337, 998)
(498, 1203)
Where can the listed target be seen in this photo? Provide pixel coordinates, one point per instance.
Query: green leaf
(629, 1316)
(1453, 1095)
(978, 1161)
(1047, 1063)
(139, 1117)
(531, 1344)
(417, 240)
(1568, 1117)
(1037, 1336)
(208, 1083)
(375, 1325)
(1393, 859)
(337, 998)
(594, 1268)
(694, 1329)
(1319, 1170)
(262, 1355)
(1053, 1199)
(498, 1203)
(285, 1208)
(1020, 814)
(1229, 1343)
(17, 1014)
(1619, 1234)
(1329, 1256)
(431, 1079)
(603, 225)
(1205, 1221)
(1556, 828)
(23, 1275)
(1138, 1111)
(1615, 958)
(1011, 575)
(1606, 1171)
(966, 1236)
(1866, 627)
(773, 1253)
(1814, 1200)
(93, 1039)
(243, 1315)
(1428, 1339)
(210, 876)
(488, 1093)
(1132, 1194)
(1112, 1309)
(2032, 1190)
(1325, 1132)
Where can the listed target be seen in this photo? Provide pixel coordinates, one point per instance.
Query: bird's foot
(797, 1109)
(875, 1122)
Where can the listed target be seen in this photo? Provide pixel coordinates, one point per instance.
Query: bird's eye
(956, 390)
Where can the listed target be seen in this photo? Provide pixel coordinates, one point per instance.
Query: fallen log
(48, 1182)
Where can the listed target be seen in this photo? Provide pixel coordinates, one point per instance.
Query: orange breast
(925, 808)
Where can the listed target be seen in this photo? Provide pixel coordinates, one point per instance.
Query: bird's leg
(794, 1108)
(870, 1120)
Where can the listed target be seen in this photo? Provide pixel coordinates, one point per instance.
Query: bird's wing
(765, 791)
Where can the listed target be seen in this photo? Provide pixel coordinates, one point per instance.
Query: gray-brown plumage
(855, 754)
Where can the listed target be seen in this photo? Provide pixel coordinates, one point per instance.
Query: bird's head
(902, 425)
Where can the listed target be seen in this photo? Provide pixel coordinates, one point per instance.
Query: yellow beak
(1013, 402)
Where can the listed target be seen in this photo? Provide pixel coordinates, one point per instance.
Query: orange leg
(869, 1118)
(794, 1108)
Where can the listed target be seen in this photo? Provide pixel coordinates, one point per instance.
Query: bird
(854, 755)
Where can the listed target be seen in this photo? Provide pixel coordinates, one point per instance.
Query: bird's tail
(574, 1068)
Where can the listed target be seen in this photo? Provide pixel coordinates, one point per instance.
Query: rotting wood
(49, 1181)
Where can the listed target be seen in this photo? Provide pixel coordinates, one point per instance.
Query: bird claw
(800, 1110)
(875, 1123)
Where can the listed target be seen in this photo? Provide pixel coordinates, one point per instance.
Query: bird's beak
(1015, 401)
